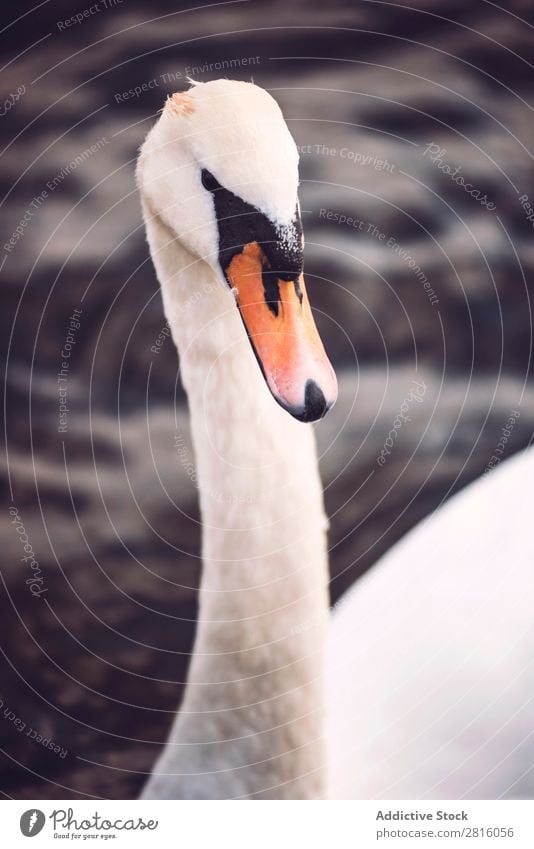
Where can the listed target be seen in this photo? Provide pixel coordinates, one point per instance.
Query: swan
(419, 683)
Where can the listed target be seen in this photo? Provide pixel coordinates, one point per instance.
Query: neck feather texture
(250, 724)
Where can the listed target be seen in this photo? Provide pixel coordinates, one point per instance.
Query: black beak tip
(315, 404)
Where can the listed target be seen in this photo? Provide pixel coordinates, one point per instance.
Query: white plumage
(431, 655)
(429, 684)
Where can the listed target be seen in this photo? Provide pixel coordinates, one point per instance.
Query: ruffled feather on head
(180, 104)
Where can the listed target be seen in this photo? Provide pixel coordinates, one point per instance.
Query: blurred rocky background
(417, 277)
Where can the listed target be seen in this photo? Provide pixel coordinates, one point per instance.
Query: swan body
(422, 666)
(430, 664)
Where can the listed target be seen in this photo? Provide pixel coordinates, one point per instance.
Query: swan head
(220, 170)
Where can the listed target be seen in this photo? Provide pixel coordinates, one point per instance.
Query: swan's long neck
(250, 723)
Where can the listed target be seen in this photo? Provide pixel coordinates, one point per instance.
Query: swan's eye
(208, 181)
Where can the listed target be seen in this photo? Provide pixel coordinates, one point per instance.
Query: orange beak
(280, 326)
